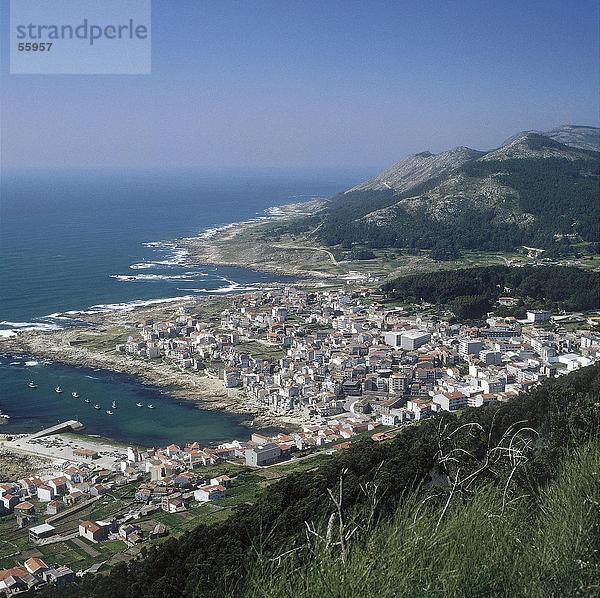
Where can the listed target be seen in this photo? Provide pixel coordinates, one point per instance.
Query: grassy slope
(537, 548)
(220, 559)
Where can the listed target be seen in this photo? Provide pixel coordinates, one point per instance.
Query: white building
(538, 315)
(413, 339)
(469, 346)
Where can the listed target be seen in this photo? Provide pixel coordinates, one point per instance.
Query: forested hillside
(472, 292)
(532, 191)
(466, 483)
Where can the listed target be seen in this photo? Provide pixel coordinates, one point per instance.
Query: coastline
(248, 244)
(91, 343)
(208, 392)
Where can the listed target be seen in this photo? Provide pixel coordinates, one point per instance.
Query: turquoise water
(79, 241)
(171, 420)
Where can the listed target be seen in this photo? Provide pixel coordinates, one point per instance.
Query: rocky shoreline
(248, 244)
(208, 391)
(238, 244)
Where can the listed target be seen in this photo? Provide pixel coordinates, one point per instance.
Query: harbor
(140, 414)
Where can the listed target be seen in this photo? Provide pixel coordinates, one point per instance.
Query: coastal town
(334, 366)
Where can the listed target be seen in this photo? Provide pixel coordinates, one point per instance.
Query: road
(304, 248)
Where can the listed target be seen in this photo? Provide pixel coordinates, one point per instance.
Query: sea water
(95, 241)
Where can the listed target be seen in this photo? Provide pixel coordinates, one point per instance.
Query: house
(421, 408)
(25, 508)
(59, 576)
(58, 485)
(221, 480)
(451, 401)
(173, 450)
(9, 489)
(173, 503)
(160, 531)
(388, 419)
(73, 474)
(86, 454)
(45, 493)
(8, 502)
(231, 377)
(92, 531)
(132, 534)
(39, 532)
(35, 566)
(262, 455)
(207, 493)
(143, 495)
(538, 315)
(469, 346)
(54, 507)
(98, 489)
(185, 480)
(74, 497)
(413, 339)
(16, 579)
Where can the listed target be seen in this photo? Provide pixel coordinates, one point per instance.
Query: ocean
(88, 241)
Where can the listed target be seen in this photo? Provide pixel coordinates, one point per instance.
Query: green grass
(196, 514)
(533, 548)
(260, 351)
(245, 488)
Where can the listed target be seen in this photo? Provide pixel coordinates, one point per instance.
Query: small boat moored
(150, 406)
(58, 390)
(96, 406)
(75, 395)
(114, 404)
(139, 405)
(32, 384)
(86, 401)
(109, 412)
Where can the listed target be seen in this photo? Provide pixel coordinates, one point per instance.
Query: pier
(71, 425)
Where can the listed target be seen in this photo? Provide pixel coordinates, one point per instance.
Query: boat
(75, 395)
(109, 412)
(86, 401)
(139, 404)
(32, 384)
(96, 406)
(150, 406)
(58, 389)
(114, 404)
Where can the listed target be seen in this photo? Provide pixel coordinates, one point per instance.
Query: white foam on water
(7, 333)
(32, 363)
(24, 326)
(178, 255)
(158, 244)
(59, 316)
(150, 277)
(131, 305)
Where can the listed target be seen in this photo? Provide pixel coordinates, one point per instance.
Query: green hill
(490, 501)
(472, 292)
(533, 191)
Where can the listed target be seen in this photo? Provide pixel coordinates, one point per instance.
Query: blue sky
(304, 84)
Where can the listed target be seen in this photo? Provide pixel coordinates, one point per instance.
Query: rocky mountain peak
(419, 168)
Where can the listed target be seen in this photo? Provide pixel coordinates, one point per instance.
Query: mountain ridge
(425, 165)
(533, 190)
